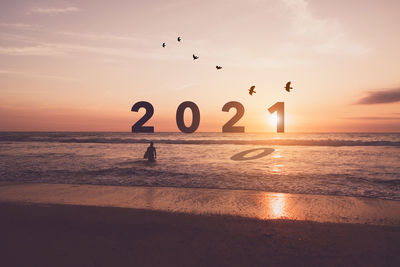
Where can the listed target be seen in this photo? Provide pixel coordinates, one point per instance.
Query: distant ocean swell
(272, 142)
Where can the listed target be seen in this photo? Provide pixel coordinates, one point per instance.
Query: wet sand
(80, 225)
(70, 235)
(243, 203)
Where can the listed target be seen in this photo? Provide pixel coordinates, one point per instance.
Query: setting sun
(273, 119)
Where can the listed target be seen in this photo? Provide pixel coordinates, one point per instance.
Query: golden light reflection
(277, 167)
(273, 119)
(276, 155)
(277, 205)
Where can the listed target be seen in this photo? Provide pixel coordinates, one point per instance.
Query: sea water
(345, 164)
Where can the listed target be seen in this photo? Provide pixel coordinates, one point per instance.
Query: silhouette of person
(151, 153)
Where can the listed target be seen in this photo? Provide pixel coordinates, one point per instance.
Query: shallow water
(350, 164)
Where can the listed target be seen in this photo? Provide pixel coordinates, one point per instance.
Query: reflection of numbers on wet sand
(241, 155)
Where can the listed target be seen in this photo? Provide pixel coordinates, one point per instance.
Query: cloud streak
(372, 118)
(29, 51)
(34, 75)
(65, 49)
(381, 97)
(94, 36)
(53, 11)
(21, 26)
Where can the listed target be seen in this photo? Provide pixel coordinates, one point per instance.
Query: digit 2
(138, 126)
(228, 127)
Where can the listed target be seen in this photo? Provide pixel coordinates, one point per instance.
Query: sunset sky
(81, 65)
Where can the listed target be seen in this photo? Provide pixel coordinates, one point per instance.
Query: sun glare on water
(277, 206)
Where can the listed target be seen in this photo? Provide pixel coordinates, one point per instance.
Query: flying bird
(163, 44)
(218, 67)
(195, 57)
(251, 90)
(179, 39)
(287, 87)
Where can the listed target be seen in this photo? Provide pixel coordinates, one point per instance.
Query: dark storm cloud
(381, 97)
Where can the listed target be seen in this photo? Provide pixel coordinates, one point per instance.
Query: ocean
(344, 164)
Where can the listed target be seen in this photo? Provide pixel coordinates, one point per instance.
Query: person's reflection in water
(151, 153)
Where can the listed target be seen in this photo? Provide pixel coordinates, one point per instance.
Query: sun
(273, 119)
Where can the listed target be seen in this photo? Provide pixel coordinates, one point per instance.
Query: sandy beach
(70, 235)
(47, 230)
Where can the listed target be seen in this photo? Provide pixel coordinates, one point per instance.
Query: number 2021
(228, 127)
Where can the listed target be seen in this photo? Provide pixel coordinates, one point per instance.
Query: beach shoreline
(242, 203)
(90, 225)
(76, 235)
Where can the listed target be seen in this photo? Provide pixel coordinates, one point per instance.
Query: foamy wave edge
(271, 142)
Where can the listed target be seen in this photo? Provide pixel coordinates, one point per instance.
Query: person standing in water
(151, 153)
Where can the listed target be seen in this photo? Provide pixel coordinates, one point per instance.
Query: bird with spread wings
(287, 87)
(251, 90)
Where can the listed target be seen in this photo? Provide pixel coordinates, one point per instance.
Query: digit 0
(195, 117)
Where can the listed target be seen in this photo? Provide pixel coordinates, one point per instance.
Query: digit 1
(279, 107)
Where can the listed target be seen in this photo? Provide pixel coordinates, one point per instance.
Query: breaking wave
(270, 142)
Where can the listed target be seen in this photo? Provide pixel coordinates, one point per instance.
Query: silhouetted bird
(251, 90)
(163, 44)
(218, 67)
(287, 87)
(179, 39)
(195, 57)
